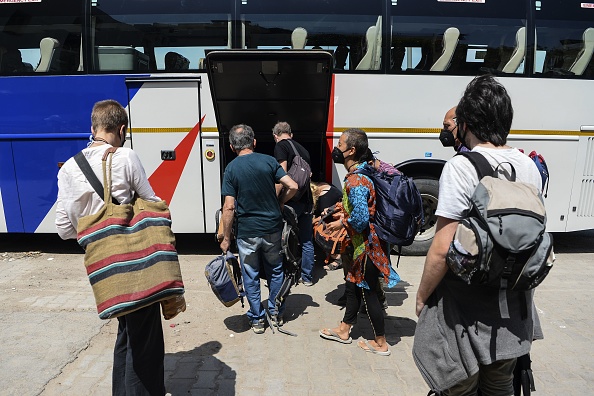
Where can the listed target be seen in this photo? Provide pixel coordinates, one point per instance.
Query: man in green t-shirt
(249, 190)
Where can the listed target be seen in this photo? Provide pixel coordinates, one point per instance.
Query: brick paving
(53, 343)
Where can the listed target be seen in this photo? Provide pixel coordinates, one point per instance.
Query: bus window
(333, 25)
(462, 37)
(24, 26)
(564, 39)
(141, 35)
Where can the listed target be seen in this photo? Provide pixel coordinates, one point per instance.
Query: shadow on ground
(52, 243)
(574, 242)
(199, 372)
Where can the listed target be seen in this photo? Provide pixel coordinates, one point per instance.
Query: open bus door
(260, 88)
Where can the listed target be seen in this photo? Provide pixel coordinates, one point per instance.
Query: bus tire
(429, 189)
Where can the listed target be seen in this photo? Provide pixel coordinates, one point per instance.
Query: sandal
(367, 347)
(332, 266)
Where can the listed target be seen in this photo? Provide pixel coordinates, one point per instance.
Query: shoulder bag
(130, 254)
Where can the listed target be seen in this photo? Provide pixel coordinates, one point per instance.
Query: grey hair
(241, 136)
(281, 127)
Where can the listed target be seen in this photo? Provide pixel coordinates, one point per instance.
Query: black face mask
(338, 156)
(446, 137)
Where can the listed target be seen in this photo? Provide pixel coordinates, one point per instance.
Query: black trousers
(138, 354)
(355, 295)
(347, 263)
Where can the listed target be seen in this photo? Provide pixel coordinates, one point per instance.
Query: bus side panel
(212, 172)
(165, 119)
(581, 206)
(36, 169)
(212, 178)
(45, 121)
(11, 219)
(561, 155)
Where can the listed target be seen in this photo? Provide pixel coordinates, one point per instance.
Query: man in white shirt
(461, 341)
(139, 350)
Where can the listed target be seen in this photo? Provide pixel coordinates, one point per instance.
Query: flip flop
(373, 350)
(333, 266)
(335, 337)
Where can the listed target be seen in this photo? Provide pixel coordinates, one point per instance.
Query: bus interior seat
(372, 58)
(47, 49)
(450, 41)
(298, 38)
(585, 55)
(175, 62)
(519, 53)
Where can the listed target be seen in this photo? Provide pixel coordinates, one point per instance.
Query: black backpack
(398, 206)
(300, 172)
(291, 248)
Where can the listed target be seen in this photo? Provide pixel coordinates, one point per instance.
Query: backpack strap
(85, 167)
(480, 163)
(294, 149)
(234, 263)
(483, 166)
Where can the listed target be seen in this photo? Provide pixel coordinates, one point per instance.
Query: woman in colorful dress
(370, 256)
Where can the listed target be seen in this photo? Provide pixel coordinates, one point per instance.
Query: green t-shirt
(250, 179)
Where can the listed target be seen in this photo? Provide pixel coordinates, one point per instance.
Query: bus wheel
(429, 189)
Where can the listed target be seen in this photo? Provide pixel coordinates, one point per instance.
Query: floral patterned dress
(358, 201)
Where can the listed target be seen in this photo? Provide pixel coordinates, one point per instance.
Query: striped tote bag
(130, 254)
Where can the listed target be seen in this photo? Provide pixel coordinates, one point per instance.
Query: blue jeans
(305, 239)
(255, 254)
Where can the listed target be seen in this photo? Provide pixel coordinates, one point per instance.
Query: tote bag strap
(108, 155)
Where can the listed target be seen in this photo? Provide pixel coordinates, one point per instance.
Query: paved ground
(52, 342)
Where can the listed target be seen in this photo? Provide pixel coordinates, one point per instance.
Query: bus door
(165, 133)
(581, 206)
(261, 88)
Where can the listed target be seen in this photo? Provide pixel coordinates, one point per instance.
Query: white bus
(398, 66)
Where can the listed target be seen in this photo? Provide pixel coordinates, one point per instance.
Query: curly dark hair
(485, 110)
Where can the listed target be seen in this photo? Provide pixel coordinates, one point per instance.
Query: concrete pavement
(52, 342)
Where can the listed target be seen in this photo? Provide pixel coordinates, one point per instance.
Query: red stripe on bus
(165, 178)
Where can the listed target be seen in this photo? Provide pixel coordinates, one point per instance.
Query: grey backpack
(502, 243)
(223, 274)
